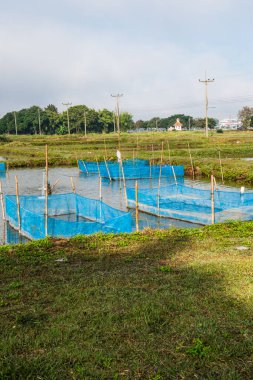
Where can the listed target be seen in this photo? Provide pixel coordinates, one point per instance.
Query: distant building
(230, 124)
(177, 126)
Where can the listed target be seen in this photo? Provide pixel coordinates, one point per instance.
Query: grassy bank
(173, 304)
(28, 151)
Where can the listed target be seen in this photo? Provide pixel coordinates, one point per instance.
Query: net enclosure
(68, 215)
(131, 169)
(2, 167)
(193, 204)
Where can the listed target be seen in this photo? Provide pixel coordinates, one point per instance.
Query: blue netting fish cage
(2, 167)
(68, 215)
(133, 169)
(89, 167)
(193, 204)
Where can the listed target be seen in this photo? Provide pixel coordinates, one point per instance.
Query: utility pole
(15, 120)
(117, 96)
(114, 121)
(67, 104)
(85, 123)
(39, 121)
(206, 82)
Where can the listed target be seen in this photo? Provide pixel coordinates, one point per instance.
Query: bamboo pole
(169, 152)
(85, 167)
(189, 150)
(100, 189)
(73, 185)
(124, 182)
(98, 168)
(150, 169)
(153, 157)
(221, 169)
(2, 202)
(107, 169)
(174, 174)
(136, 206)
(7, 170)
(158, 192)
(105, 148)
(100, 198)
(18, 204)
(212, 199)
(162, 154)
(46, 193)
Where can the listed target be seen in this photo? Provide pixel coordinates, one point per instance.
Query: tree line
(35, 120)
(80, 118)
(188, 122)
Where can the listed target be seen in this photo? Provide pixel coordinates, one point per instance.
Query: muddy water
(31, 180)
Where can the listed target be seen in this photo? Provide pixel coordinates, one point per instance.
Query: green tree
(52, 108)
(51, 121)
(200, 123)
(126, 121)
(245, 115)
(105, 119)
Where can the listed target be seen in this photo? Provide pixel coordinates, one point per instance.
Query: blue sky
(152, 51)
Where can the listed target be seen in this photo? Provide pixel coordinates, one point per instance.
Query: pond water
(31, 180)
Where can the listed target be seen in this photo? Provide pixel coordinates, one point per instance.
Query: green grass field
(28, 151)
(156, 305)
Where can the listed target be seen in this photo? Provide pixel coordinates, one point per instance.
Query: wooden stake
(150, 169)
(107, 169)
(100, 189)
(7, 170)
(174, 174)
(85, 167)
(136, 206)
(169, 152)
(98, 168)
(212, 199)
(100, 198)
(73, 185)
(158, 193)
(105, 148)
(153, 157)
(124, 182)
(46, 193)
(221, 169)
(162, 154)
(2, 202)
(189, 150)
(18, 204)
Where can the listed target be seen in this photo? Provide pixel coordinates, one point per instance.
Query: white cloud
(54, 61)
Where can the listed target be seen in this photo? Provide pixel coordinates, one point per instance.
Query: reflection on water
(31, 180)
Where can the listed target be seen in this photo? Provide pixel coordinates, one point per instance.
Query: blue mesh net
(193, 204)
(133, 169)
(2, 167)
(68, 215)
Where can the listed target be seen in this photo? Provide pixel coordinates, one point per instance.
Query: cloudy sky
(152, 51)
